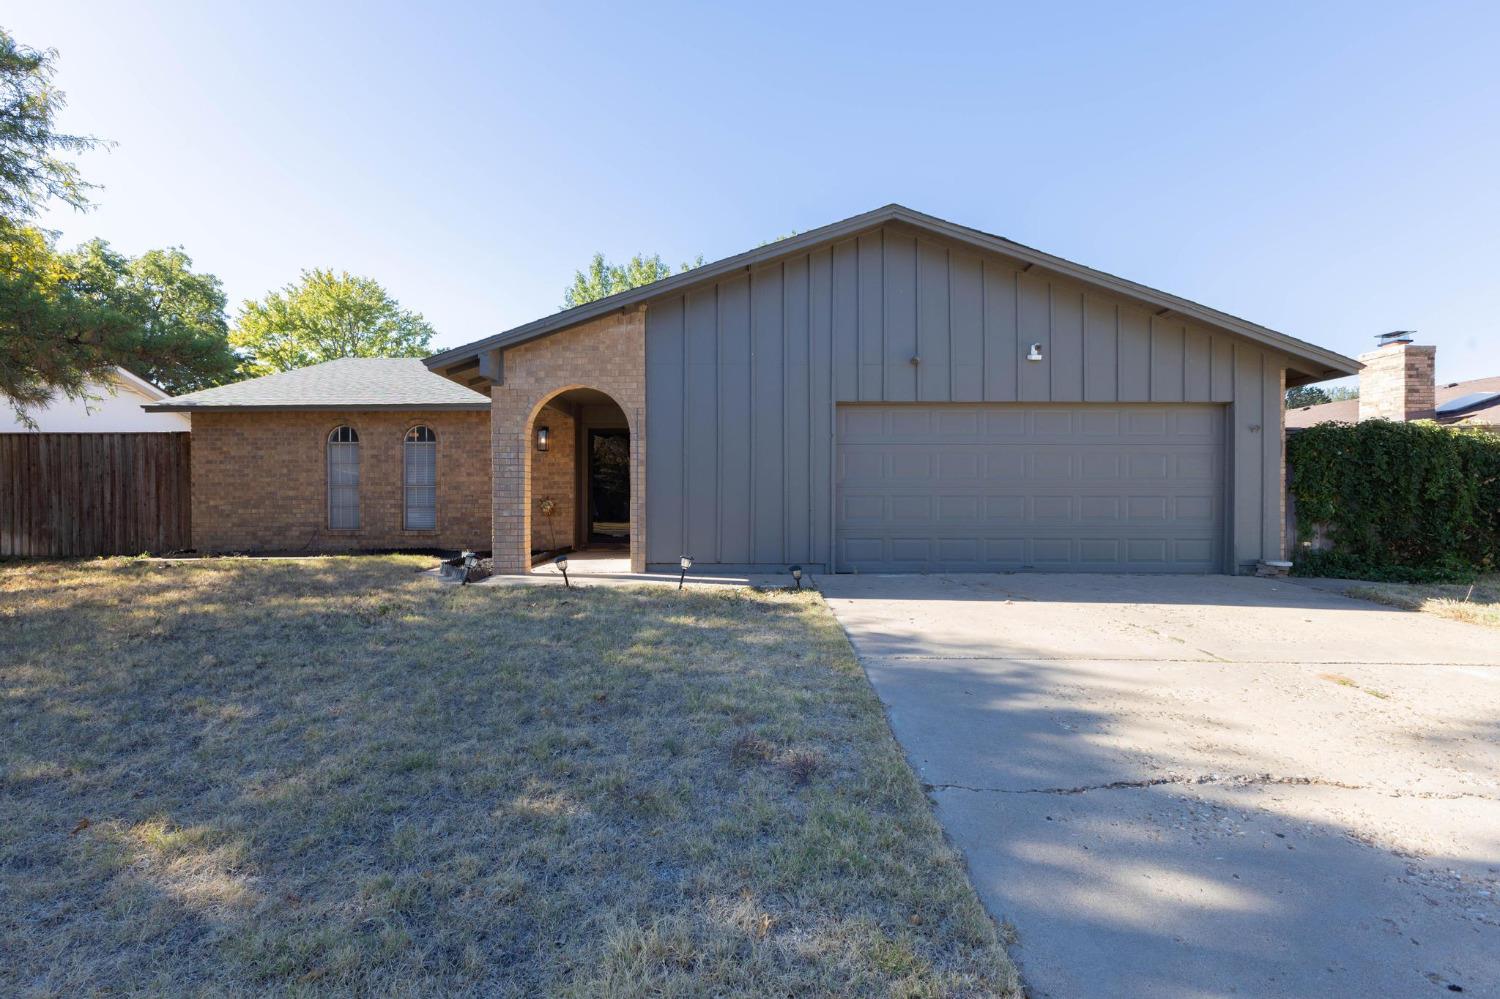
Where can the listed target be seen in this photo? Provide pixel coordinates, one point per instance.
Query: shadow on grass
(335, 775)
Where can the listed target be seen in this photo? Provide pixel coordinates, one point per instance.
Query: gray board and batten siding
(747, 376)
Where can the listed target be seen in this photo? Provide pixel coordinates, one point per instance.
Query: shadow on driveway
(1203, 786)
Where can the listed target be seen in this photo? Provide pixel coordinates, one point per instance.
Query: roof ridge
(1331, 362)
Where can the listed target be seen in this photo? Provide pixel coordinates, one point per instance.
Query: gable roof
(137, 384)
(1347, 410)
(345, 383)
(1319, 362)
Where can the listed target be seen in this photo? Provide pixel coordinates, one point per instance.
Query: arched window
(343, 479)
(420, 450)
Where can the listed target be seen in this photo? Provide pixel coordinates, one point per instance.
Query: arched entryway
(580, 476)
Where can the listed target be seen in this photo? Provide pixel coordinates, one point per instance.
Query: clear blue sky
(1329, 170)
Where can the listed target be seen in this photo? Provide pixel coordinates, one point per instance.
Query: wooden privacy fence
(94, 494)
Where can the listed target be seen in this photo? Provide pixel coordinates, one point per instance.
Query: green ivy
(1414, 501)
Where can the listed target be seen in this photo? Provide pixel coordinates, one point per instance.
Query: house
(113, 407)
(892, 392)
(1398, 383)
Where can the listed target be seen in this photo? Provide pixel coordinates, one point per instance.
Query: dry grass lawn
(1481, 606)
(334, 776)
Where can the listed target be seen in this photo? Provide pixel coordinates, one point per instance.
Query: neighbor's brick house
(1398, 382)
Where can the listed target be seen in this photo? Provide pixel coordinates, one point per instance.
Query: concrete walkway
(1203, 786)
(610, 568)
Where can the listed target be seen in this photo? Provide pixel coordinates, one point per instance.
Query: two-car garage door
(955, 488)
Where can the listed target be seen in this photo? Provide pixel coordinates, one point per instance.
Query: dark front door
(609, 486)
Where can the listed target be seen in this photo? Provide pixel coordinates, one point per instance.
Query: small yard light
(796, 572)
(562, 566)
(686, 561)
(542, 435)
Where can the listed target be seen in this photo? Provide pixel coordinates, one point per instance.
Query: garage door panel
(1106, 488)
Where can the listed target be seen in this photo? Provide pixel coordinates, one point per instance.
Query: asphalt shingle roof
(346, 383)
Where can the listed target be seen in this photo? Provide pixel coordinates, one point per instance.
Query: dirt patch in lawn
(1479, 604)
(333, 775)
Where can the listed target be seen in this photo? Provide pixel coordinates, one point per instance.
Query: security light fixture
(796, 572)
(686, 561)
(542, 436)
(562, 566)
(1035, 353)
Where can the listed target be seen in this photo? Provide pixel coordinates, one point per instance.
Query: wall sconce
(1035, 353)
(542, 436)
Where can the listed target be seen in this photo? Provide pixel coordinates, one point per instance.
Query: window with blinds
(420, 450)
(343, 479)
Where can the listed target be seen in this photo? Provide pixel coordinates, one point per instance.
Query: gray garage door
(1081, 488)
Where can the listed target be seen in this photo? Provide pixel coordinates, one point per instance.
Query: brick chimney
(1397, 382)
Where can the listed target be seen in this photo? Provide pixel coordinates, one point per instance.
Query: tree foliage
(67, 319)
(183, 335)
(1314, 395)
(33, 169)
(602, 279)
(325, 316)
(1412, 501)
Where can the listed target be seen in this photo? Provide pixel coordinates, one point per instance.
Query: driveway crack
(1227, 780)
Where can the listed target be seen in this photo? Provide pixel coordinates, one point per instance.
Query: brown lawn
(337, 776)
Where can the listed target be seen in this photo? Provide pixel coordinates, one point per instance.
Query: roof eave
(425, 407)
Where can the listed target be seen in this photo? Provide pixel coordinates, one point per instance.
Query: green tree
(58, 330)
(184, 335)
(1305, 395)
(322, 317)
(603, 279)
(1313, 395)
(32, 168)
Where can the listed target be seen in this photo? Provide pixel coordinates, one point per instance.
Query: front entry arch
(579, 474)
(575, 372)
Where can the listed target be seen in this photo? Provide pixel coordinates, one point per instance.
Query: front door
(609, 487)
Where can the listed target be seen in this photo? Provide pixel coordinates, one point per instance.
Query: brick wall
(1398, 383)
(608, 354)
(554, 477)
(260, 481)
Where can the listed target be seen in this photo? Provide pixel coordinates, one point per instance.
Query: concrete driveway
(1203, 786)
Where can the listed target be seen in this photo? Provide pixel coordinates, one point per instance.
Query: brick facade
(607, 354)
(1398, 383)
(260, 481)
(554, 477)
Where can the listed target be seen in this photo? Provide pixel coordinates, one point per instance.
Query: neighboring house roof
(346, 383)
(1321, 363)
(1479, 413)
(111, 406)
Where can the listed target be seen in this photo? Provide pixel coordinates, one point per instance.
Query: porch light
(562, 566)
(542, 435)
(686, 561)
(1035, 353)
(796, 572)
